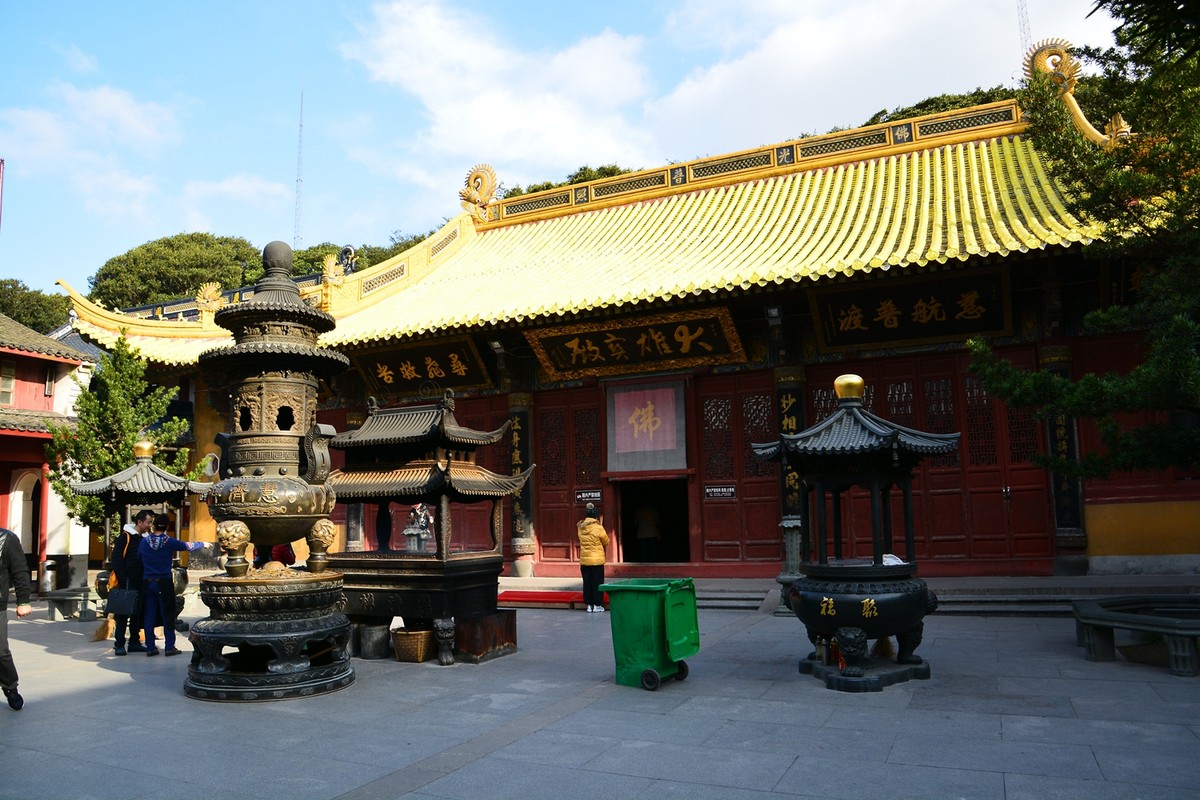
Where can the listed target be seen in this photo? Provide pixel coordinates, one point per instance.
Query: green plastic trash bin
(654, 627)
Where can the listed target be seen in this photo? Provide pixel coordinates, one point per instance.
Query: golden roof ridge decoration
(1000, 118)
(1055, 59)
(209, 298)
(478, 191)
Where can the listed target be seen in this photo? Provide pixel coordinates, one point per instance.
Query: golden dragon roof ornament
(478, 190)
(209, 298)
(1053, 57)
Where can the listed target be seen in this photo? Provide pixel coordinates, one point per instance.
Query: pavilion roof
(462, 480)
(142, 483)
(916, 194)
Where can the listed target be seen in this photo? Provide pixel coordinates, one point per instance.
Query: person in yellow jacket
(593, 544)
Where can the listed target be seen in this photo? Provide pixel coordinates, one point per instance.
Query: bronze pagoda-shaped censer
(843, 603)
(275, 633)
(446, 577)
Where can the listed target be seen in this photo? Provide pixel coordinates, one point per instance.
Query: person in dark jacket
(158, 594)
(127, 564)
(14, 573)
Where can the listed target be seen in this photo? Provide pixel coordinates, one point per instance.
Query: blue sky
(125, 122)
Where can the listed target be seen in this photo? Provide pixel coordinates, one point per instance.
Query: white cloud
(533, 115)
(238, 188)
(115, 116)
(115, 194)
(78, 61)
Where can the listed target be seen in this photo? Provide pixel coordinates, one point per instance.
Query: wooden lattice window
(900, 404)
(587, 446)
(718, 438)
(8, 382)
(824, 403)
(552, 466)
(981, 424)
(757, 426)
(1022, 436)
(939, 416)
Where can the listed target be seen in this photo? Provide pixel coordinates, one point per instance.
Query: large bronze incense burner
(844, 603)
(275, 633)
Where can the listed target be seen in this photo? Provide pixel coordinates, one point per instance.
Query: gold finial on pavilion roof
(478, 190)
(848, 386)
(144, 449)
(1054, 58)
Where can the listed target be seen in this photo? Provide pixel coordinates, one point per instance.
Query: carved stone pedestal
(271, 636)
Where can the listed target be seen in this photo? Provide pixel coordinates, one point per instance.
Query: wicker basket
(413, 646)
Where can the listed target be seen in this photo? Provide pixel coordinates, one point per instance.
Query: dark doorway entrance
(654, 504)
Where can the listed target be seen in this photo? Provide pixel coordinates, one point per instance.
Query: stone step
(731, 600)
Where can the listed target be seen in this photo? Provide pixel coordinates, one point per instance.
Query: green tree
(32, 308)
(1146, 191)
(942, 102)
(581, 175)
(174, 267)
(119, 410)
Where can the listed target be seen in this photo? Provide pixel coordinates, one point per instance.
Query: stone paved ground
(1012, 711)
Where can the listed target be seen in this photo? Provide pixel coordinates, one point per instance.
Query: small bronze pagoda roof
(142, 483)
(853, 431)
(431, 424)
(459, 479)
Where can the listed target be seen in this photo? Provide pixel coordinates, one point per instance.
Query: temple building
(639, 333)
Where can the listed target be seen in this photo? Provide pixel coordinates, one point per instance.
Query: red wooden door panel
(987, 502)
(735, 411)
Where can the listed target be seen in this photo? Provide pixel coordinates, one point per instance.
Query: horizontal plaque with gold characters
(423, 367)
(948, 306)
(638, 344)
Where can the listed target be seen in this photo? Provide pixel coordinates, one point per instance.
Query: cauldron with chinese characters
(852, 602)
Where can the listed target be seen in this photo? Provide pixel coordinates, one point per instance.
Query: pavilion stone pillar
(789, 399)
(523, 542)
(1070, 538)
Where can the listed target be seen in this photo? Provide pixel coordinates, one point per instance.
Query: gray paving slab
(1011, 710)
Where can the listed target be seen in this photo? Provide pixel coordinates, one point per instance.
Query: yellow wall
(1158, 528)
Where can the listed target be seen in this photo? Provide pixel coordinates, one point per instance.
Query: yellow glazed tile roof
(932, 190)
(938, 205)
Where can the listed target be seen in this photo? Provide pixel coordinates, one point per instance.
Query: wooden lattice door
(985, 504)
(568, 449)
(740, 508)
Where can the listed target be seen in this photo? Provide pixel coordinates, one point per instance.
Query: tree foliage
(312, 259)
(32, 308)
(174, 267)
(120, 410)
(942, 102)
(581, 175)
(1146, 191)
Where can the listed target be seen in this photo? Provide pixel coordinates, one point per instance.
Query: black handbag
(122, 602)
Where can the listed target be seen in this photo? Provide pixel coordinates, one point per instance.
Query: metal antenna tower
(1023, 19)
(297, 239)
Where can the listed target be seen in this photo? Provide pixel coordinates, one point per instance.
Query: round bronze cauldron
(278, 509)
(880, 600)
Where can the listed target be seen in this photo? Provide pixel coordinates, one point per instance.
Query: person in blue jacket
(127, 564)
(158, 587)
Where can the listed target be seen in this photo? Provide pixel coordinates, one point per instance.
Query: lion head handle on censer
(233, 536)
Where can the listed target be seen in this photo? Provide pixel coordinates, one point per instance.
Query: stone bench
(1174, 617)
(75, 603)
